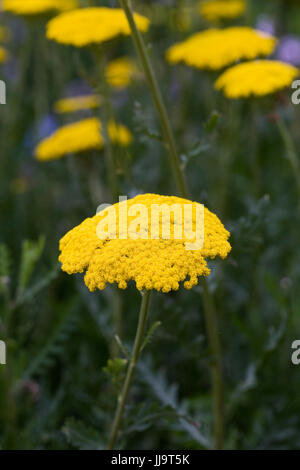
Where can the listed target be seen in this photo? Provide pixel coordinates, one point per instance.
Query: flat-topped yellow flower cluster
(159, 264)
(80, 136)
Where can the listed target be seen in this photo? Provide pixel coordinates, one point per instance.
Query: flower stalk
(131, 369)
(210, 314)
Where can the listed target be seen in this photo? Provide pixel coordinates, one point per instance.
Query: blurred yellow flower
(92, 26)
(160, 263)
(80, 136)
(120, 72)
(77, 103)
(216, 48)
(256, 78)
(37, 7)
(3, 55)
(214, 10)
(19, 185)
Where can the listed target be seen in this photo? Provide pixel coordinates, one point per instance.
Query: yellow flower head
(76, 103)
(120, 72)
(214, 10)
(92, 26)
(80, 136)
(37, 7)
(3, 55)
(256, 78)
(216, 48)
(146, 241)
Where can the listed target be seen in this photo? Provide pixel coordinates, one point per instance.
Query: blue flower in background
(289, 50)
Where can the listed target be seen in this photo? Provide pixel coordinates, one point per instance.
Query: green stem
(216, 365)
(291, 152)
(131, 369)
(210, 315)
(158, 100)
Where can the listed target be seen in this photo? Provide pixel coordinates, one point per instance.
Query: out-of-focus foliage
(64, 364)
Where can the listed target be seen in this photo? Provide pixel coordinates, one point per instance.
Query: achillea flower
(37, 7)
(92, 26)
(120, 72)
(256, 78)
(77, 103)
(128, 253)
(78, 137)
(214, 10)
(216, 48)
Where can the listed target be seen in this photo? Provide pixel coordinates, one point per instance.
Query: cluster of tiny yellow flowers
(160, 264)
(214, 10)
(92, 26)
(77, 103)
(216, 48)
(37, 7)
(256, 78)
(120, 72)
(80, 136)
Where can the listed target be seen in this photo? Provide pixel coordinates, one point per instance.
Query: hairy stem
(131, 369)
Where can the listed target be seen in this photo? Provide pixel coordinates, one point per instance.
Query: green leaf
(212, 121)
